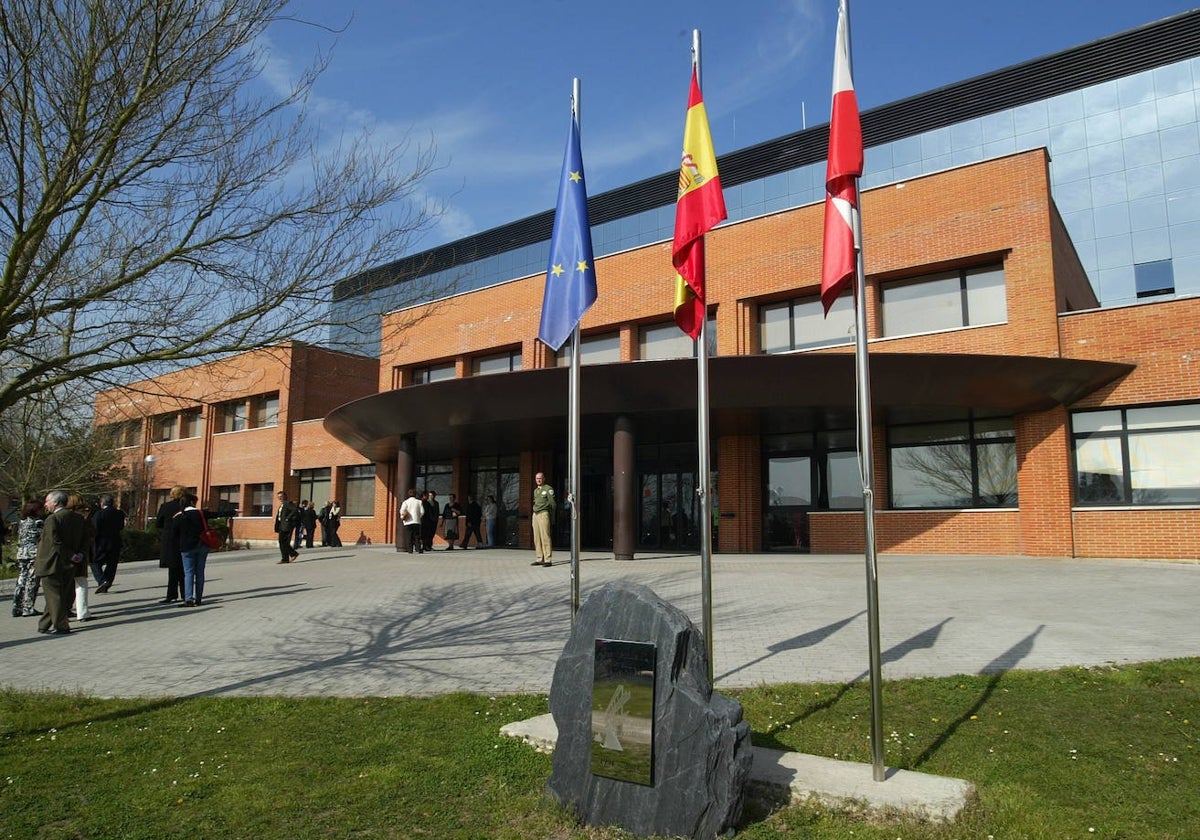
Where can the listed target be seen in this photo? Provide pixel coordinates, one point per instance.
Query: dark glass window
(957, 460)
(1154, 278)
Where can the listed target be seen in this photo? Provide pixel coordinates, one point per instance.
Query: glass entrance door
(788, 499)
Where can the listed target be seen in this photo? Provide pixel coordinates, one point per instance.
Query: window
(228, 499)
(164, 428)
(360, 491)
(262, 499)
(231, 416)
(316, 485)
(498, 363)
(433, 373)
(128, 433)
(191, 423)
(1137, 456)
(948, 300)
(667, 341)
(435, 477)
(1154, 278)
(801, 322)
(264, 410)
(593, 350)
(952, 460)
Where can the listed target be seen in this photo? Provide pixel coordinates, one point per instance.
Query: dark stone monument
(643, 741)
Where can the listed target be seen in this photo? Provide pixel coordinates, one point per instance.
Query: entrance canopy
(747, 394)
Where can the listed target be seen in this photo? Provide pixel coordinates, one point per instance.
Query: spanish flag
(699, 209)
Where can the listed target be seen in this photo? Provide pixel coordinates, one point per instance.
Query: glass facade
(1124, 171)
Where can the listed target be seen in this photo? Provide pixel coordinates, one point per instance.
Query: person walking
(544, 509)
(169, 557)
(474, 516)
(29, 534)
(188, 525)
(411, 511)
(108, 522)
(308, 518)
(61, 546)
(286, 518)
(335, 521)
(429, 519)
(450, 514)
(82, 611)
(490, 514)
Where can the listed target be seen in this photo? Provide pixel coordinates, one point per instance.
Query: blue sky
(490, 83)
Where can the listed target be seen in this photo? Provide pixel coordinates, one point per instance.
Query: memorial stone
(643, 741)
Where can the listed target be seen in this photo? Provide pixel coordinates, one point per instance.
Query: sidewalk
(365, 620)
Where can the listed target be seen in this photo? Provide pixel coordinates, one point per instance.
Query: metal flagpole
(702, 434)
(862, 378)
(573, 413)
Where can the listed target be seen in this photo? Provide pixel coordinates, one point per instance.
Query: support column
(406, 463)
(624, 489)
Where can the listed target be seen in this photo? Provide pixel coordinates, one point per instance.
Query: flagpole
(702, 443)
(862, 378)
(573, 411)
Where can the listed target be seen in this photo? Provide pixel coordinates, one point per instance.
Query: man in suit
(63, 536)
(108, 522)
(308, 519)
(287, 518)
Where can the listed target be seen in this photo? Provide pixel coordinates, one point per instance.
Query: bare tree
(47, 441)
(160, 205)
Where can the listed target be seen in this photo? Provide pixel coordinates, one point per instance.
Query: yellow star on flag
(581, 265)
(576, 176)
(557, 270)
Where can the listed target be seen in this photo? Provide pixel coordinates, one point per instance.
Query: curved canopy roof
(747, 395)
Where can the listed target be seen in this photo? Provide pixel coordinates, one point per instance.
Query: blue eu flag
(571, 275)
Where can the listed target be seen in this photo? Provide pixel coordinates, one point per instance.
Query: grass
(1075, 753)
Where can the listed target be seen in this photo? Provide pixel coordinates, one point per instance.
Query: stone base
(781, 778)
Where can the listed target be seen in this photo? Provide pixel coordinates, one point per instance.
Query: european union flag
(571, 274)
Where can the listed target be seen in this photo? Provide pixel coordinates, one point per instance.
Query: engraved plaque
(623, 711)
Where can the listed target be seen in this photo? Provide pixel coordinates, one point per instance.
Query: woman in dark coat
(169, 557)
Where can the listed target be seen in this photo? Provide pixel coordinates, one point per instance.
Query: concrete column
(406, 463)
(624, 489)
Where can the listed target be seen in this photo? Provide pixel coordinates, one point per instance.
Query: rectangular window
(801, 323)
(948, 300)
(316, 485)
(952, 462)
(435, 477)
(1154, 278)
(667, 341)
(164, 427)
(497, 363)
(360, 491)
(228, 499)
(1137, 456)
(128, 433)
(434, 373)
(264, 411)
(262, 499)
(231, 416)
(594, 350)
(190, 422)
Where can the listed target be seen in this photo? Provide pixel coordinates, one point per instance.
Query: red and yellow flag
(699, 209)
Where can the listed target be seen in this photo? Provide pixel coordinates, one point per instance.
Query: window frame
(965, 293)
(974, 439)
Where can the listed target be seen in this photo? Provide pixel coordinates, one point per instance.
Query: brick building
(1032, 249)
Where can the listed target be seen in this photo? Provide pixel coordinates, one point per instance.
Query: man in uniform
(543, 521)
(63, 536)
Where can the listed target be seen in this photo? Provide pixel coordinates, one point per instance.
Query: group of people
(59, 542)
(420, 516)
(296, 524)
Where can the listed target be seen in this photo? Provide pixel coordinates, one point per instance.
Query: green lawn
(1076, 753)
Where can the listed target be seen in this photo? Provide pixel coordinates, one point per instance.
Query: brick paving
(364, 620)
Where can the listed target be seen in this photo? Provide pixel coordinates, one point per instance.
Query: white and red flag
(839, 261)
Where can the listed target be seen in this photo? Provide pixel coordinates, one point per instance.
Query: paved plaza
(366, 620)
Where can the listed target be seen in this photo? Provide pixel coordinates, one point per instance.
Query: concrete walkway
(364, 620)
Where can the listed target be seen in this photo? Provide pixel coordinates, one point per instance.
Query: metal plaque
(623, 711)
